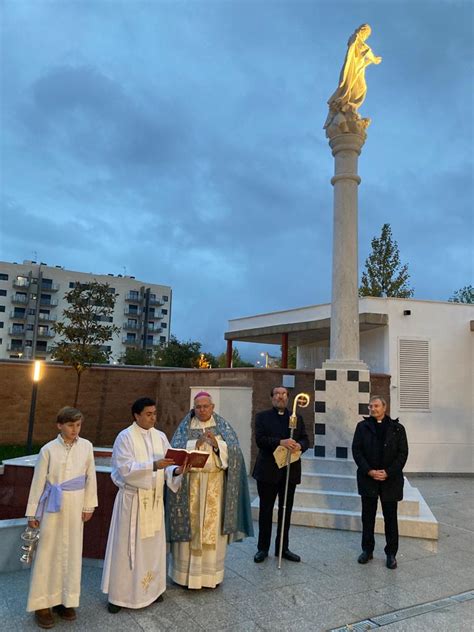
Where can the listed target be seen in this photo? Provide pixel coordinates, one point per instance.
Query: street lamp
(264, 354)
(31, 420)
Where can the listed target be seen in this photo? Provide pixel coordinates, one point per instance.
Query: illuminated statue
(352, 88)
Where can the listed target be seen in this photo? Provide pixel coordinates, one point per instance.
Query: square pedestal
(341, 398)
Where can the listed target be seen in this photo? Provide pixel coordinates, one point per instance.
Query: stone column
(344, 345)
(342, 385)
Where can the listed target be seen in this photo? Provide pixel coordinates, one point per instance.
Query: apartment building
(32, 300)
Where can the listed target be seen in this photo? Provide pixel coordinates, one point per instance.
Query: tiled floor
(327, 590)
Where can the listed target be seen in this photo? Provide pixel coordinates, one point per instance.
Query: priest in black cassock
(272, 430)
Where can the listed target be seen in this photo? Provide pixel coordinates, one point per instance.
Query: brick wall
(107, 393)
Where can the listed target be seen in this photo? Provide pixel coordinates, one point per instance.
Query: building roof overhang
(301, 333)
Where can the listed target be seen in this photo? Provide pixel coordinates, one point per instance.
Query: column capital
(347, 142)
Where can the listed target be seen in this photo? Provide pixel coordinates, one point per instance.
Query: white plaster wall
(374, 349)
(312, 356)
(234, 403)
(440, 440)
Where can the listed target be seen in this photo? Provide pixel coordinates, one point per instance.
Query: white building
(427, 348)
(32, 300)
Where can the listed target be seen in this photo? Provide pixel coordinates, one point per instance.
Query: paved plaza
(327, 591)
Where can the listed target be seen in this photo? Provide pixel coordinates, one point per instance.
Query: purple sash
(54, 494)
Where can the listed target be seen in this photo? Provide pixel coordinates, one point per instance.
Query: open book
(196, 458)
(280, 455)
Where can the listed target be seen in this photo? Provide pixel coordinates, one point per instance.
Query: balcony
(42, 351)
(45, 333)
(127, 312)
(48, 302)
(154, 316)
(132, 326)
(155, 302)
(20, 299)
(21, 282)
(134, 297)
(15, 347)
(16, 331)
(49, 287)
(153, 330)
(133, 342)
(47, 318)
(17, 316)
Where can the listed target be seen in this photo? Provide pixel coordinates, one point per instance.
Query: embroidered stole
(204, 503)
(150, 501)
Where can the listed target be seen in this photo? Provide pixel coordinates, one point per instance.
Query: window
(2, 308)
(164, 312)
(133, 309)
(3, 292)
(1, 324)
(3, 276)
(414, 374)
(162, 338)
(17, 328)
(165, 298)
(149, 340)
(47, 283)
(133, 295)
(164, 325)
(19, 312)
(72, 284)
(31, 311)
(41, 345)
(131, 337)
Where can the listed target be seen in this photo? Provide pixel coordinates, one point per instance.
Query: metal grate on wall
(414, 373)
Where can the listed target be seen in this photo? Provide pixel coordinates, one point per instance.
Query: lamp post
(31, 420)
(264, 354)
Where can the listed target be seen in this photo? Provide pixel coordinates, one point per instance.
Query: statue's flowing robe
(134, 572)
(211, 509)
(56, 573)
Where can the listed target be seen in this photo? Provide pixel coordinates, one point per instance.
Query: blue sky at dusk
(182, 143)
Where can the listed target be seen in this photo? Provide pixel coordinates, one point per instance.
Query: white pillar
(344, 345)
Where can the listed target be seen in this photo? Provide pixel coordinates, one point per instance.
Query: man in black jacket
(271, 430)
(380, 449)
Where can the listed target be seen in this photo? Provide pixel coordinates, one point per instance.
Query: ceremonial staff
(301, 400)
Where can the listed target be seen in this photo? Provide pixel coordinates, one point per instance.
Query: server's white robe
(204, 569)
(134, 574)
(56, 573)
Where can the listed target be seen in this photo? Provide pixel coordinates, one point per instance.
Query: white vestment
(56, 573)
(134, 573)
(203, 567)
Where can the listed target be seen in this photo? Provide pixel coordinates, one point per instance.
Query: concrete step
(332, 482)
(321, 465)
(349, 501)
(422, 526)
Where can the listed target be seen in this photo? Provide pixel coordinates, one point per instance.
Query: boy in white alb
(63, 495)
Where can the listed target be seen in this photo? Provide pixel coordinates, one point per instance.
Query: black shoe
(260, 556)
(365, 557)
(288, 555)
(391, 562)
(113, 609)
(159, 599)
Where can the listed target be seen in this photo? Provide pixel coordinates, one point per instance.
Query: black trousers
(267, 493)
(369, 510)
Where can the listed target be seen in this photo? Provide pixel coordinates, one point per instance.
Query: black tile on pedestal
(352, 376)
(363, 409)
(319, 429)
(341, 453)
(331, 374)
(319, 450)
(319, 385)
(364, 387)
(319, 407)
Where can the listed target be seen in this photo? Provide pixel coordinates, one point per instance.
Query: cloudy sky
(182, 143)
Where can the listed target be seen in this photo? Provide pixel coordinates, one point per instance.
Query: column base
(341, 399)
